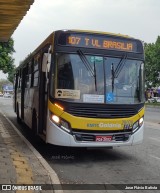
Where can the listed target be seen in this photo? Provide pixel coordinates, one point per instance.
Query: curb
(51, 173)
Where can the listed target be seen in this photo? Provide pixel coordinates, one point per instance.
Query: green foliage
(11, 75)
(152, 63)
(6, 60)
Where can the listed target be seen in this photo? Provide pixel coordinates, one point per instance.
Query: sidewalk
(20, 163)
(21, 166)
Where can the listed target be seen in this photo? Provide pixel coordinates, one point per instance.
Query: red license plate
(104, 138)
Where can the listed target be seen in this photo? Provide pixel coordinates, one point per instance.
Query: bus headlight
(137, 124)
(141, 121)
(60, 122)
(55, 119)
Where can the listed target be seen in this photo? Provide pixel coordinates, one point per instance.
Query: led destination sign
(98, 41)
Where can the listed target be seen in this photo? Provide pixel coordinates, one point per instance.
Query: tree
(6, 60)
(157, 53)
(11, 75)
(152, 63)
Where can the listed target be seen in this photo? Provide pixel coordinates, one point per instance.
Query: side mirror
(46, 62)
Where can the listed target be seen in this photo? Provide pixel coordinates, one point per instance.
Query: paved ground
(20, 163)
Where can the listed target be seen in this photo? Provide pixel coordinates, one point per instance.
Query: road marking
(155, 139)
(154, 157)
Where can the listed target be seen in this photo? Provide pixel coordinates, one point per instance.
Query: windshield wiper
(120, 66)
(113, 76)
(88, 66)
(115, 73)
(95, 77)
(139, 86)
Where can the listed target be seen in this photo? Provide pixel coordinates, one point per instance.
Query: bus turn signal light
(59, 106)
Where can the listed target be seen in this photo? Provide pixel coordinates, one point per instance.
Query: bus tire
(18, 118)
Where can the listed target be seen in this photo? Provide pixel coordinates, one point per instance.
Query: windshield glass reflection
(126, 82)
(95, 79)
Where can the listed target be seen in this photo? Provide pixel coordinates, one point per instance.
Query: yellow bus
(83, 89)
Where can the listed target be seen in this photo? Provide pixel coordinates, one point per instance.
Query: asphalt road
(124, 165)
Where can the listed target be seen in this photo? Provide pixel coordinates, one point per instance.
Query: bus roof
(100, 32)
(50, 39)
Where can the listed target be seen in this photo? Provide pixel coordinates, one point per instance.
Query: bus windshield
(95, 79)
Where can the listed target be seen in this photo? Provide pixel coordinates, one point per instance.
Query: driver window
(65, 73)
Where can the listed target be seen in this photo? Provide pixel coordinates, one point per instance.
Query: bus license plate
(104, 138)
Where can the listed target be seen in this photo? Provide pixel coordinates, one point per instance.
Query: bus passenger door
(44, 93)
(15, 92)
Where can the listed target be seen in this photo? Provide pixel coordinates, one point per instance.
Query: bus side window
(27, 77)
(35, 73)
(31, 73)
(19, 80)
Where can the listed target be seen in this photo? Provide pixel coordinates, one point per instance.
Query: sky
(136, 18)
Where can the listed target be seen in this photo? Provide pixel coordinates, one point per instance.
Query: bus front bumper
(57, 136)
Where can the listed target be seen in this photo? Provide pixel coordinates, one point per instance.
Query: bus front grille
(102, 111)
(92, 137)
